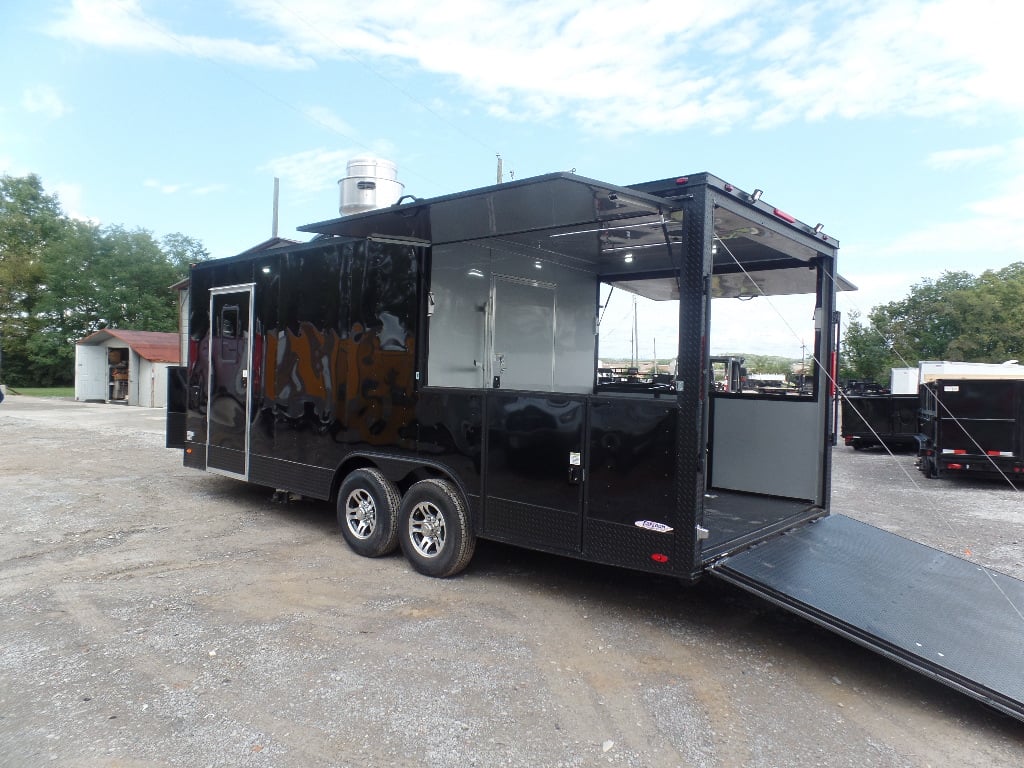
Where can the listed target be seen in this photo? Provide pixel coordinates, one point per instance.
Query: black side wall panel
(334, 356)
(177, 406)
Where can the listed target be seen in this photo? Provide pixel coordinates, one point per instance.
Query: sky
(898, 124)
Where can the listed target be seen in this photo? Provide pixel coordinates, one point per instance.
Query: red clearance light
(729, 187)
(784, 216)
(954, 466)
(659, 558)
(682, 179)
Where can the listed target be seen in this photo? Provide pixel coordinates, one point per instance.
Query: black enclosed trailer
(879, 419)
(436, 368)
(972, 427)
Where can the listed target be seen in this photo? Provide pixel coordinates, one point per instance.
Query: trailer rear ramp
(943, 616)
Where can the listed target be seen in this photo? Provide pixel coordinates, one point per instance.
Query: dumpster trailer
(972, 427)
(432, 368)
(888, 420)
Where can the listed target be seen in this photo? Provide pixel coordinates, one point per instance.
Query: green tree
(992, 326)
(98, 278)
(921, 326)
(30, 220)
(182, 251)
(956, 317)
(62, 279)
(864, 354)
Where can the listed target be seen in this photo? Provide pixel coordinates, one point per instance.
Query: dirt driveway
(157, 616)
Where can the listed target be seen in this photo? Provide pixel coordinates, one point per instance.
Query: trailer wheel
(434, 528)
(368, 513)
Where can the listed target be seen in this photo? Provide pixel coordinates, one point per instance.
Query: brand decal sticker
(650, 525)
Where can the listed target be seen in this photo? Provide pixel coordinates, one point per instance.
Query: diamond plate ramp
(946, 617)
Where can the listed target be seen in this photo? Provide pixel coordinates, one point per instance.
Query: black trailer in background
(435, 369)
(879, 419)
(973, 427)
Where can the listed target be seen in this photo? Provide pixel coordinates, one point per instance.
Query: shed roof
(152, 345)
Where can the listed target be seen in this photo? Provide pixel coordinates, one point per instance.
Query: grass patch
(42, 391)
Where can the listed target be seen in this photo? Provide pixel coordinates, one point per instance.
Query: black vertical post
(694, 268)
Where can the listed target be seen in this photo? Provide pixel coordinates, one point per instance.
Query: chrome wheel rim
(427, 530)
(360, 513)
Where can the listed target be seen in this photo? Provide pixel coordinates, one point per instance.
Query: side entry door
(228, 412)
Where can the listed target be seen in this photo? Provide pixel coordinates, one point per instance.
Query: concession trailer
(433, 366)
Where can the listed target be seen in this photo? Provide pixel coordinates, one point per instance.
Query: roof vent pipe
(369, 183)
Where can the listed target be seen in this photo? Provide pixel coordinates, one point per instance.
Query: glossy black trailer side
(406, 341)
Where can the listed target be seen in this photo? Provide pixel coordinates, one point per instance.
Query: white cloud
(124, 24)
(958, 158)
(208, 189)
(643, 66)
(71, 201)
(329, 120)
(192, 189)
(973, 234)
(873, 288)
(312, 172)
(167, 189)
(649, 66)
(44, 100)
(990, 227)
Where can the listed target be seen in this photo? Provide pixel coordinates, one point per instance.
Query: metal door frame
(248, 288)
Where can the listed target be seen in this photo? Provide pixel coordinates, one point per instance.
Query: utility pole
(634, 346)
(803, 363)
(277, 194)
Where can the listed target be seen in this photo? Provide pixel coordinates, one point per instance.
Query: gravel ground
(158, 616)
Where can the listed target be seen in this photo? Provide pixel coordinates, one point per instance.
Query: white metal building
(118, 366)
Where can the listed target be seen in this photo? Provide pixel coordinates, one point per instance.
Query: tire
(368, 513)
(434, 529)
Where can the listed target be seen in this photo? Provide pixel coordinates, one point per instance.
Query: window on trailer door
(229, 333)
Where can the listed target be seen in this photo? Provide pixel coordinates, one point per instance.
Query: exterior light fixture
(756, 196)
